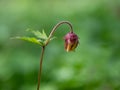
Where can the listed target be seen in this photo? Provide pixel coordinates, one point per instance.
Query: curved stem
(40, 69)
(56, 26)
(43, 47)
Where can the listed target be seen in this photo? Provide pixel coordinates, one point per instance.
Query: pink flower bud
(71, 41)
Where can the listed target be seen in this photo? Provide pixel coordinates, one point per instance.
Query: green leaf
(44, 34)
(30, 39)
(38, 34)
(52, 38)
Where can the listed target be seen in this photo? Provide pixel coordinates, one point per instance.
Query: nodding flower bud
(71, 41)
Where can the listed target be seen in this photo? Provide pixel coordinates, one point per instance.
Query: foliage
(42, 37)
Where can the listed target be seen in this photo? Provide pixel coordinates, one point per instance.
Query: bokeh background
(95, 65)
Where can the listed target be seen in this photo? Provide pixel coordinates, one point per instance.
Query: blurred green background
(95, 65)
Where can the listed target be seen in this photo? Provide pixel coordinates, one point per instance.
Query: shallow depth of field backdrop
(95, 65)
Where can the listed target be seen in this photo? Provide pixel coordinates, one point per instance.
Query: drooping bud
(71, 41)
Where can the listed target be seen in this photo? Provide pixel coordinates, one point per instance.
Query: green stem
(40, 69)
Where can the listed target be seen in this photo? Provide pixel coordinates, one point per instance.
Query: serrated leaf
(52, 38)
(30, 39)
(44, 34)
(38, 34)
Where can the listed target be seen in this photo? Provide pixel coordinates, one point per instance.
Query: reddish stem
(40, 69)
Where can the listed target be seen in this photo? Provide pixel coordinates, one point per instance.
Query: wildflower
(71, 41)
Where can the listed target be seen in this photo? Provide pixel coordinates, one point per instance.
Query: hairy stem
(43, 47)
(55, 28)
(40, 69)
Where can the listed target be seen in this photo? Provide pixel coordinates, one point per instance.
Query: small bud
(71, 41)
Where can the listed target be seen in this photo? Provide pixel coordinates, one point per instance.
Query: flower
(71, 41)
